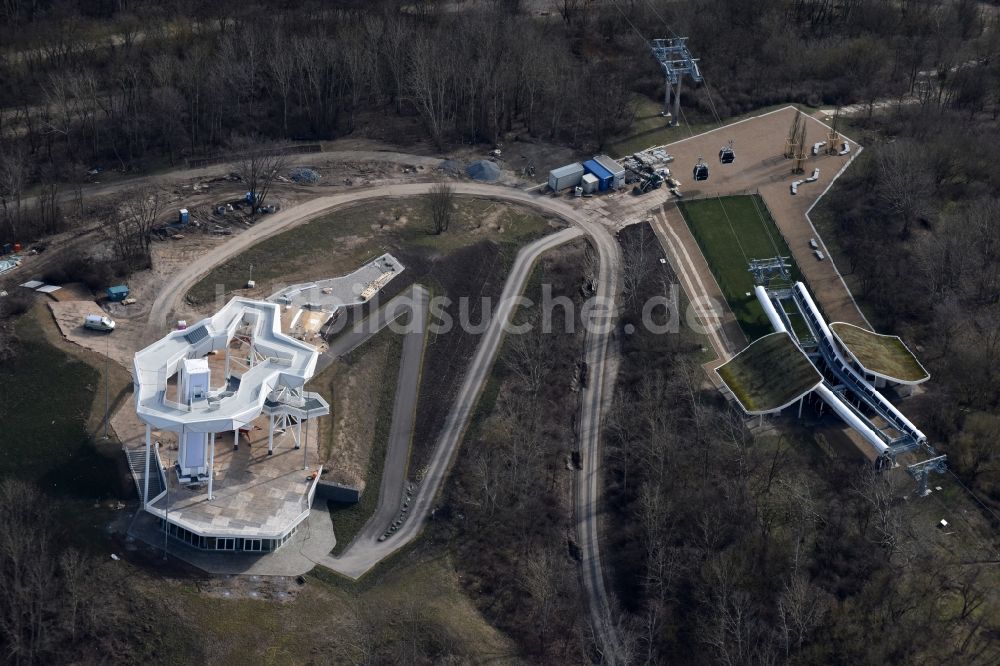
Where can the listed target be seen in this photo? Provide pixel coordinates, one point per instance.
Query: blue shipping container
(117, 293)
(605, 179)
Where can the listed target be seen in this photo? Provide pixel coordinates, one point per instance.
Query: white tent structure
(264, 373)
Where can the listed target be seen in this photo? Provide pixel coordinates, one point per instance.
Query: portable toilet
(17, 247)
(616, 169)
(589, 183)
(565, 176)
(7, 248)
(183, 216)
(117, 293)
(605, 179)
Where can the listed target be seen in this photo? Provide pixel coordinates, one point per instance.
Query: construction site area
(295, 401)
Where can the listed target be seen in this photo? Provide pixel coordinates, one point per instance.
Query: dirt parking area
(70, 315)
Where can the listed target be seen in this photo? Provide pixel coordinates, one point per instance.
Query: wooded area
(739, 547)
(132, 86)
(729, 546)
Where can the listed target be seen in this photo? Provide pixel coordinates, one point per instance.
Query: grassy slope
(339, 242)
(48, 431)
(650, 129)
(730, 232)
(348, 519)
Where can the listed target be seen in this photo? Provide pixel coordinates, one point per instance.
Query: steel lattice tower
(676, 60)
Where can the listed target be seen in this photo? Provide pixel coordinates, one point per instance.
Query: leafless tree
(441, 207)
(13, 179)
(130, 225)
(636, 251)
(430, 85)
(258, 166)
(874, 487)
(528, 361)
(904, 181)
(801, 608)
(281, 67)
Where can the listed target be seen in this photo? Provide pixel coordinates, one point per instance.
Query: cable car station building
(226, 463)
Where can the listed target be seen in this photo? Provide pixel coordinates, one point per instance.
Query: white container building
(565, 176)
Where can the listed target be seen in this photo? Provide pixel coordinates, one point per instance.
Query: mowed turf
(731, 231)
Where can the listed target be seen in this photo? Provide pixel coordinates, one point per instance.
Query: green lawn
(45, 402)
(731, 231)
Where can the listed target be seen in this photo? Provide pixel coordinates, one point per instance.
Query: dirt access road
(363, 555)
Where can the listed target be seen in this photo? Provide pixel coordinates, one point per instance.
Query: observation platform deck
(256, 495)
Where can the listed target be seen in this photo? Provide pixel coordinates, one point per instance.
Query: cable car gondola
(727, 155)
(700, 171)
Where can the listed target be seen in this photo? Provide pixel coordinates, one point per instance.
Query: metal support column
(677, 103)
(211, 465)
(305, 449)
(145, 479)
(270, 435)
(236, 438)
(801, 400)
(298, 432)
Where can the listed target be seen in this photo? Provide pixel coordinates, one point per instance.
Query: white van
(99, 323)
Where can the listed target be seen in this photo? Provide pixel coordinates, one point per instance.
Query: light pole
(107, 378)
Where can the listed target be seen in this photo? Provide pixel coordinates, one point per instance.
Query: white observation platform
(259, 374)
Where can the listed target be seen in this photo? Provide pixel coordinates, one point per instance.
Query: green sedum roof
(770, 374)
(883, 355)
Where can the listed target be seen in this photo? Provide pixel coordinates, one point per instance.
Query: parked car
(99, 323)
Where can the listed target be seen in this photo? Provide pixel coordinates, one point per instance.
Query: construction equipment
(647, 178)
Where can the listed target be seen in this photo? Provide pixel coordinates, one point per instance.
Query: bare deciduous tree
(636, 251)
(13, 177)
(441, 207)
(130, 225)
(258, 166)
(905, 182)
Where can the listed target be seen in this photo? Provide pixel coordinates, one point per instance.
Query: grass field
(731, 231)
(45, 402)
(339, 242)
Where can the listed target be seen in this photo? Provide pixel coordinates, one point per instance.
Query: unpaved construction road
(366, 553)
